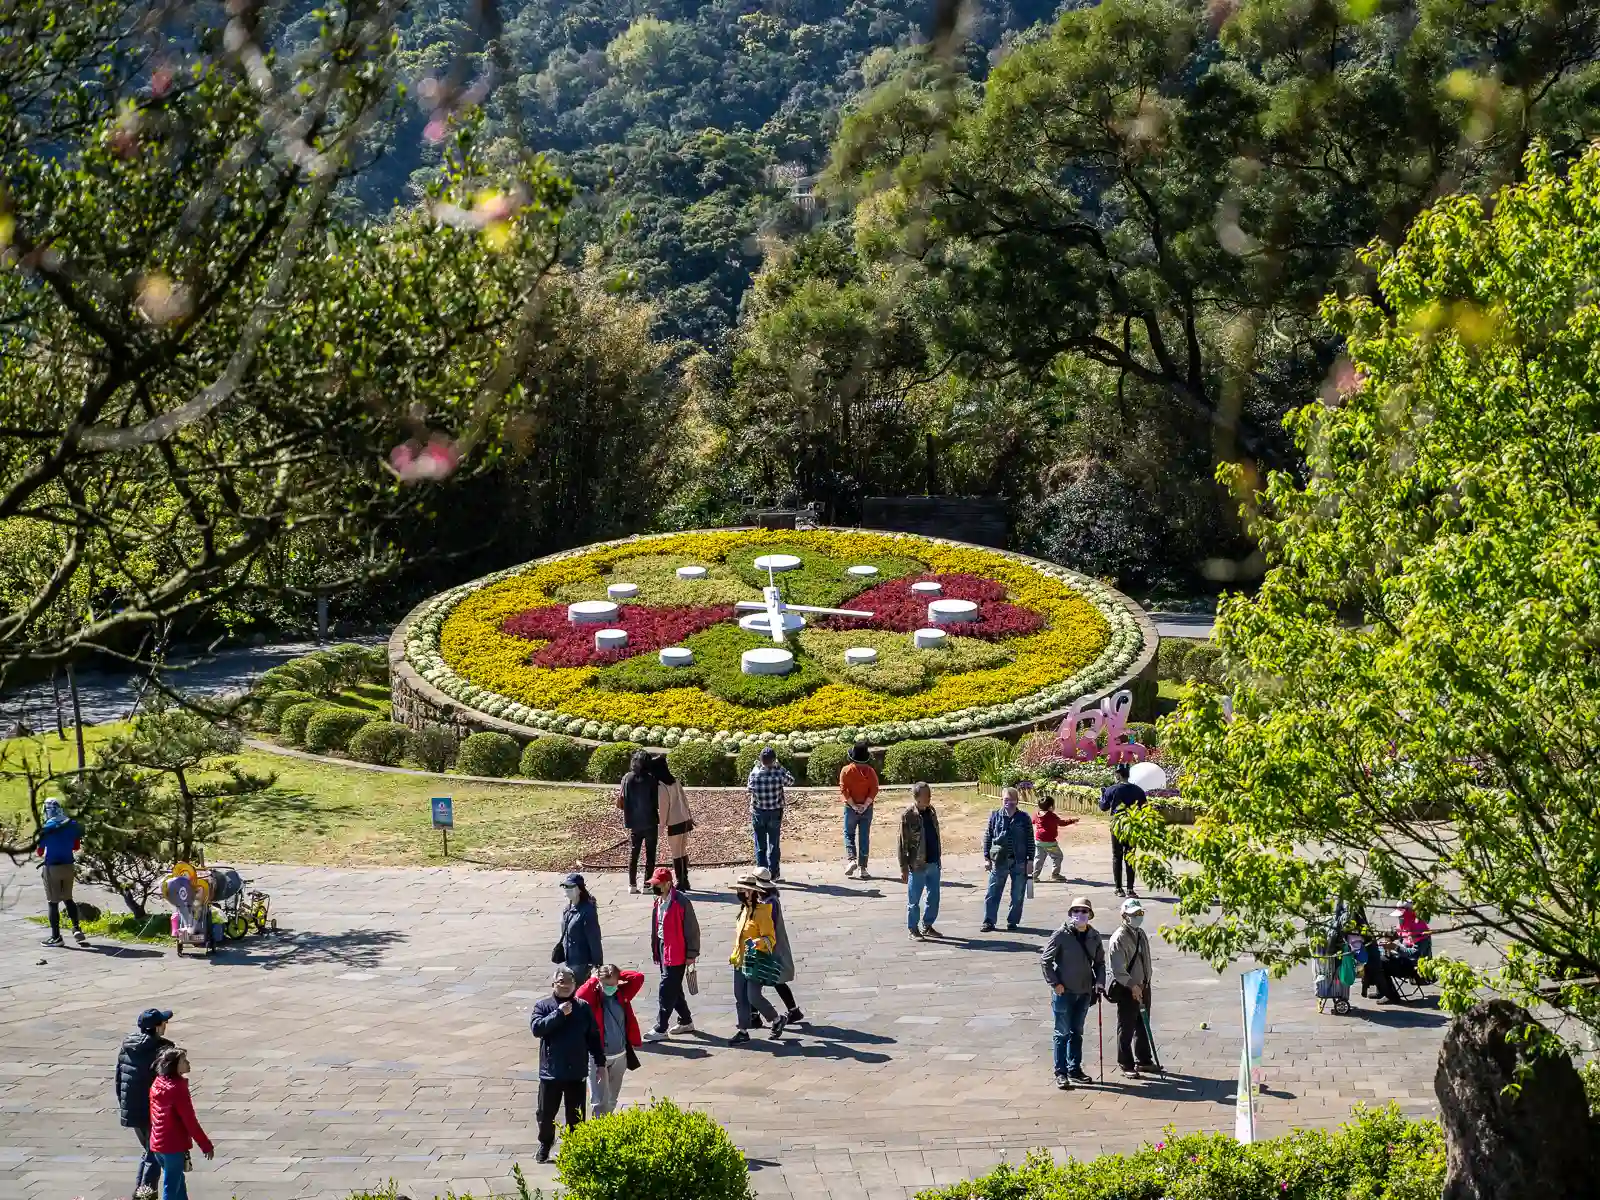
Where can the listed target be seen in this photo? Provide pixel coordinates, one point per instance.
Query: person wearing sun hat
(753, 932)
(1074, 965)
(1130, 990)
(769, 893)
(858, 788)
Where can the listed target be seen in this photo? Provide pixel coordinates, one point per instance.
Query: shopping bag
(1030, 887)
(691, 979)
(761, 966)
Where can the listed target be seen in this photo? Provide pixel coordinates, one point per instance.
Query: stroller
(210, 905)
(1335, 964)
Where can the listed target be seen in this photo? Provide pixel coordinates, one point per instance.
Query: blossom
(894, 605)
(648, 629)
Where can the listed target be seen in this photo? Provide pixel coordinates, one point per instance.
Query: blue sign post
(443, 819)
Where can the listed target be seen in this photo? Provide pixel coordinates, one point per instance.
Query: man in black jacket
(136, 1070)
(1123, 794)
(641, 813)
(569, 1038)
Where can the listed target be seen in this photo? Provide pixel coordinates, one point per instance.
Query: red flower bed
(649, 629)
(896, 607)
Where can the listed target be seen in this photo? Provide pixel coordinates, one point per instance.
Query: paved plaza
(384, 1034)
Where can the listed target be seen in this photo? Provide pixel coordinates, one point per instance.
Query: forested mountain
(686, 126)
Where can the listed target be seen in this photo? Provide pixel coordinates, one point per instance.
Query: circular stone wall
(500, 653)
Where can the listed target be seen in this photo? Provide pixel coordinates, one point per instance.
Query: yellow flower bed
(472, 645)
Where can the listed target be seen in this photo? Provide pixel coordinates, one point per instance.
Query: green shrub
(493, 754)
(1589, 1072)
(924, 761)
(433, 747)
(1144, 732)
(661, 1152)
(609, 762)
(1204, 664)
(980, 758)
(375, 664)
(381, 742)
(333, 727)
(825, 763)
(1379, 1154)
(292, 725)
(312, 674)
(749, 754)
(274, 681)
(556, 758)
(698, 764)
(270, 715)
(1172, 656)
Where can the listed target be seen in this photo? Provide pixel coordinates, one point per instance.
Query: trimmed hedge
(976, 755)
(1204, 664)
(496, 755)
(919, 762)
(333, 727)
(609, 763)
(698, 764)
(1379, 1155)
(555, 758)
(1172, 656)
(381, 742)
(825, 763)
(433, 747)
(292, 725)
(750, 753)
(278, 703)
(662, 1152)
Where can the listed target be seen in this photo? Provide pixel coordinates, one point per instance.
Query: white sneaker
(850, 871)
(683, 1027)
(654, 1035)
(633, 889)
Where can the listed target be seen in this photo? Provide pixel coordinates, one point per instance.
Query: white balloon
(1147, 775)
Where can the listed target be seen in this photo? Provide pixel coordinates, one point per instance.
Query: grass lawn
(121, 926)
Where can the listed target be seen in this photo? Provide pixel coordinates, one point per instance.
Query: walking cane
(1144, 1015)
(1100, 1020)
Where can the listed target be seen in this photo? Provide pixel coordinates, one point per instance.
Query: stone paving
(384, 1035)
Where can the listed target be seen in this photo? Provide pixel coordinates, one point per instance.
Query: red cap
(662, 875)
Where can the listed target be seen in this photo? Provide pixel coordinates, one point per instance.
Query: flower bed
(1044, 637)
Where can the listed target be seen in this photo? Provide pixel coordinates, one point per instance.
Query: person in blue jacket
(579, 948)
(1008, 848)
(569, 1039)
(59, 839)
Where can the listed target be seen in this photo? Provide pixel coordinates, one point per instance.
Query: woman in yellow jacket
(753, 930)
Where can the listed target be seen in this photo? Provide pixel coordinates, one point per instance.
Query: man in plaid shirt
(767, 780)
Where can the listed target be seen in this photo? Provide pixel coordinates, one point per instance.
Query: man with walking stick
(1074, 965)
(1130, 991)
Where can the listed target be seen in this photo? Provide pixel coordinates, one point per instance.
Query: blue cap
(573, 880)
(151, 1017)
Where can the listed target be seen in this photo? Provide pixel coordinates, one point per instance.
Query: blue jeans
(1071, 1010)
(766, 825)
(918, 884)
(857, 828)
(1019, 889)
(173, 1186)
(149, 1174)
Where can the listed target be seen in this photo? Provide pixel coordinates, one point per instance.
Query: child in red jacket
(1046, 824)
(173, 1126)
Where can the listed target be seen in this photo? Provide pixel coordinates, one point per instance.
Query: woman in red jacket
(173, 1126)
(609, 996)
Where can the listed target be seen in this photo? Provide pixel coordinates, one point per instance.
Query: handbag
(630, 1057)
(761, 966)
(559, 953)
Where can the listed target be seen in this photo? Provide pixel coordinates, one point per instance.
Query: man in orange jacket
(858, 787)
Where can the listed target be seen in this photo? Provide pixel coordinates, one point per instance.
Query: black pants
(1119, 863)
(670, 997)
(552, 1092)
(647, 839)
(1133, 1039)
(786, 994)
(149, 1173)
(55, 915)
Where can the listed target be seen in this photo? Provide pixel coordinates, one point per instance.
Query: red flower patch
(649, 629)
(895, 606)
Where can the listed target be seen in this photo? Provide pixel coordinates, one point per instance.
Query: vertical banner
(1253, 1009)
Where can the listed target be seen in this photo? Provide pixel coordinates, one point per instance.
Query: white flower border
(1126, 642)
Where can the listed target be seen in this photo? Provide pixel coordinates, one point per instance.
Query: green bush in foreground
(657, 1153)
(433, 747)
(750, 754)
(918, 761)
(609, 763)
(270, 714)
(292, 725)
(1379, 1155)
(698, 764)
(825, 763)
(381, 742)
(496, 755)
(333, 727)
(555, 758)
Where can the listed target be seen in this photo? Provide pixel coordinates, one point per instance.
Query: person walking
(754, 958)
(1008, 849)
(1130, 990)
(579, 947)
(60, 838)
(569, 1039)
(677, 820)
(858, 788)
(769, 893)
(919, 862)
(1074, 965)
(136, 1071)
(766, 783)
(174, 1128)
(638, 798)
(609, 996)
(1047, 825)
(674, 946)
(1122, 795)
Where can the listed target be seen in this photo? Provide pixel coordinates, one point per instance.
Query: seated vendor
(1396, 955)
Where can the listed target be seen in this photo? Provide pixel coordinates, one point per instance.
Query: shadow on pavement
(1422, 1015)
(834, 889)
(119, 950)
(668, 1050)
(354, 949)
(1174, 1086)
(832, 1033)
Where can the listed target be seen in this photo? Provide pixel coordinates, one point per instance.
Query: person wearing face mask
(919, 862)
(609, 996)
(1130, 990)
(579, 946)
(1008, 848)
(674, 946)
(569, 1039)
(1074, 964)
(753, 934)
